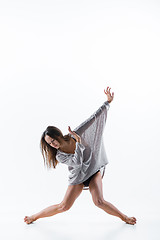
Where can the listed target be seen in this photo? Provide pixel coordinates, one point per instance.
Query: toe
(131, 220)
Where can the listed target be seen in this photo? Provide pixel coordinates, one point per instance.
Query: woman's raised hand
(77, 137)
(109, 96)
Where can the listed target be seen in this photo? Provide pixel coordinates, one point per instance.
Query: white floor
(82, 221)
(79, 227)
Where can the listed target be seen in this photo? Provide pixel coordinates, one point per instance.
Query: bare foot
(130, 220)
(29, 220)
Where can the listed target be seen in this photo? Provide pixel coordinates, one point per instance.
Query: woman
(83, 151)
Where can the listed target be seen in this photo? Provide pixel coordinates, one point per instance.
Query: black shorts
(86, 183)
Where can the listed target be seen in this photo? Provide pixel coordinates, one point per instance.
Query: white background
(56, 58)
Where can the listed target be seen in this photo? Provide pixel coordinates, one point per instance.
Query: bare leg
(95, 188)
(111, 209)
(72, 193)
(49, 211)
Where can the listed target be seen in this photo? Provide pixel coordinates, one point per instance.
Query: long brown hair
(48, 152)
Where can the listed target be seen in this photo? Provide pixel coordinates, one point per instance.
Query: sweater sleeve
(74, 160)
(87, 123)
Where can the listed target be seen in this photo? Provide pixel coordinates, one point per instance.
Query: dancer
(83, 151)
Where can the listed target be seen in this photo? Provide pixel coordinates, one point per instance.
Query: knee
(98, 202)
(64, 207)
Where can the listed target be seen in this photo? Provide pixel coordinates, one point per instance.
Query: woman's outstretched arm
(102, 110)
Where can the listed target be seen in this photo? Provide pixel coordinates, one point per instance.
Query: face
(52, 142)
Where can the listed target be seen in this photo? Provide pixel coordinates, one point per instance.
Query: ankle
(124, 217)
(34, 217)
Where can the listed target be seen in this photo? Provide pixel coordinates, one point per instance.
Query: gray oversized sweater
(90, 155)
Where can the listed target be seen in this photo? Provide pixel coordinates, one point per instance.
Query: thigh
(87, 182)
(95, 187)
(73, 191)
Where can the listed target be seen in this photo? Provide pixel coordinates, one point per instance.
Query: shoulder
(62, 156)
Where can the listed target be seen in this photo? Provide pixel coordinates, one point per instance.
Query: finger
(107, 88)
(69, 129)
(105, 91)
(108, 91)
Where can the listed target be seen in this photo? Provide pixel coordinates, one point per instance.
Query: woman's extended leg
(95, 188)
(72, 193)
